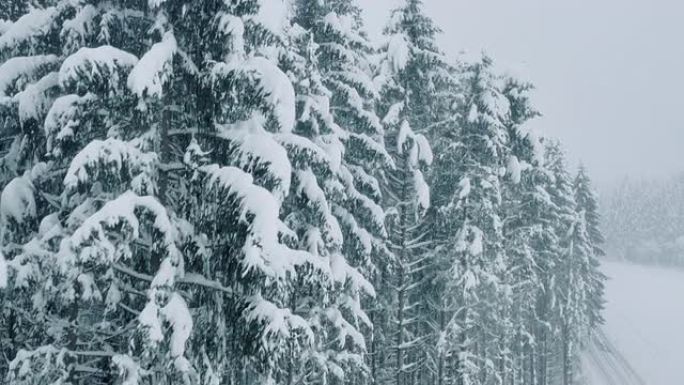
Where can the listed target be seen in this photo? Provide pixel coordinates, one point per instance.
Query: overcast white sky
(609, 73)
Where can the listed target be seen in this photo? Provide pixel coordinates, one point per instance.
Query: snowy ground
(643, 337)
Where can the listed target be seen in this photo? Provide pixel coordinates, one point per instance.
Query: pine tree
(470, 211)
(159, 191)
(48, 283)
(318, 193)
(411, 67)
(343, 62)
(587, 201)
(352, 133)
(575, 304)
(557, 299)
(587, 208)
(524, 232)
(204, 193)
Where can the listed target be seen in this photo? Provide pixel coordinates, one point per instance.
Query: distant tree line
(645, 220)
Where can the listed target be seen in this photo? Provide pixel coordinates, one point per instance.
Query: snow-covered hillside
(644, 318)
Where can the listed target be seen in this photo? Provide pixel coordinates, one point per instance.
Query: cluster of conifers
(250, 192)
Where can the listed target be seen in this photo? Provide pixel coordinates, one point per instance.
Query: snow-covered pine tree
(579, 282)
(158, 196)
(524, 204)
(194, 192)
(227, 176)
(575, 324)
(561, 284)
(473, 157)
(587, 206)
(586, 200)
(354, 135)
(47, 238)
(410, 68)
(319, 190)
(540, 253)
(343, 61)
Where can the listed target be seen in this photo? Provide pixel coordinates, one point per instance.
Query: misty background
(608, 73)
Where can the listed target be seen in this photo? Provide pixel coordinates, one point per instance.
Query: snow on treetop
(121, 210)
(256, 202)
(342, 23)
(302, 148)
(496, 103)
(308, 187)
(343, 272)
(272, 15)
(535, 139)
(112, 156)
(233, 27)
(33, 24)
(34, 101)
(4, 26)
(22, 68)
(17, 200)
(393, 114)
(398, 52)
(177, 314)
(273, 82)
(129, 370)
(422, 190)
(416, 145)
(278, 321)
(514, 168)
(149, 319)
(148, 76)
(63, 117)
(103, 65)
(405, 133)
(280, 90)
(75, 31)
(344, 26)
(345, 328)
(256, 145)
(468, 57)
(424, 149)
